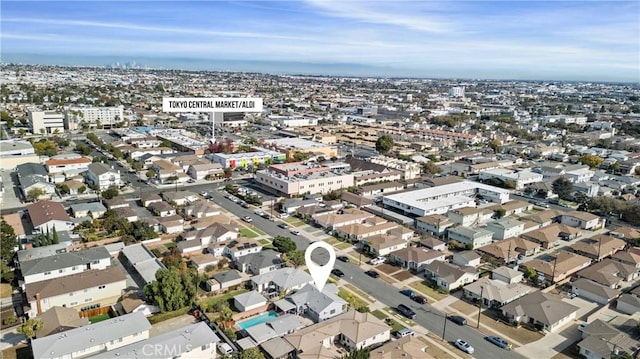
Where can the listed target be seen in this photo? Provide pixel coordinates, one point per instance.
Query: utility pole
(480, 307)
(444, 330)
(555, 261)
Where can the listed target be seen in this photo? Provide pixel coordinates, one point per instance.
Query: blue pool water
(258, 319)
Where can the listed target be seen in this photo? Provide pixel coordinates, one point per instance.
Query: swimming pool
(258, 319)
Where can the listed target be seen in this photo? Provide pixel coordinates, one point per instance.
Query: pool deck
(257, 319)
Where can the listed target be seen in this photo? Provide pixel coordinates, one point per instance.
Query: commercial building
(294, 121)
(248, 159)
(441, 199)
(92, 117)
(292, 145)
(291, 179)
(15, 152)
(46, 122)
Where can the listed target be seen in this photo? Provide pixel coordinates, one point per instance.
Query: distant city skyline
(538, 40)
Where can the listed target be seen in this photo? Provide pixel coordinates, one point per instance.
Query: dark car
(343, 258)
(283, 225)
(498, 341)
(337, 272)
(458, 320)
(419, 299)
(406, 311)
(372, 273)
(407, 292)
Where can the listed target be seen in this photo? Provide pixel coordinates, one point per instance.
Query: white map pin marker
(319, 273)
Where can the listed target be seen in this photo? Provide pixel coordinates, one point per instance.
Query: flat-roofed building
(93, 117)
(291, 179)
(292, 145)
(441, 199)
(46, 122)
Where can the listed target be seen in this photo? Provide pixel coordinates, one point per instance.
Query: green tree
(530, 273)
(284, 244)
(431, 168)
(300, 156)
(251, 353)
(82, 189)
(110, 193)
(592, 161)
(34, 194)
(384, 144)
(8, 241)
(172, 289)
(296, 258)
(151, 174)
(45, 148)
(6, 273)
(562, 187)
(494, 145)
(83, 149)
(30, 327)
(500, 212)
(63, 188)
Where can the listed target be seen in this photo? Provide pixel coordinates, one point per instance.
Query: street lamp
(480, 307)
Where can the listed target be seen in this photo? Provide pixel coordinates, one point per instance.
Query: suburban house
(214, 233)
(319, 306)
(224, 280)
(383, 244)
(59, 319)
(542, 310)
(91, 209)
(512, 208)
(285, 280)
(171, 224)
(49, 216)
(629, 303)
(610, 273)
(180, 198)
(495, 293)
(598, 247)
(240, 247)
(507, 275)
(475, 237)
(116, 202)
(601, 340)
(582, 220)
(203, 170)
(360, 231)
(416, 258)
(201, 209)
(560, 266)
(61, 263)
(509, 250)
(103, 176)
(167, 172)
(127, 213)
(550, 236)
(93, 339)
(149, 198)
(628, 257)
(328, 339)
(594, 292)
(469, 216)
(347, 217)
(192, 341)
(249, 301)
(82, 290)
(161, 209)
(432, 243)
(448, 276)
(466, 259)
(259, 263)
(408, 347)
(505, 228)
(435, 224)
(272, 329)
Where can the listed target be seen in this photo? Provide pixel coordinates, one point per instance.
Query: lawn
(522, 335)
(379, 314)
(170, 245)
(426, 290)
(343, 245)
(225, 297)
(99, 318)
(259, 231)
(350, 297)
(332, 240)
(404, 319)
(358, 292)
(248, 233)
(5, 290)
(264, 242)
(294, 221)
(464, 307)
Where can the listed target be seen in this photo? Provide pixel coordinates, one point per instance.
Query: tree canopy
(8, 241)
(173, 289)
(45, 148)
(110, 193)
(591, 160)
(284, 244)
(384, 144)
(562, 187)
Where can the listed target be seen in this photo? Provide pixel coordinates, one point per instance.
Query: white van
(225, 348)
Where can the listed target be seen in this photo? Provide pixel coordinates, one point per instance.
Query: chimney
(38, 303)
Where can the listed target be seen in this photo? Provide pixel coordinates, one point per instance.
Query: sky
(587, 40)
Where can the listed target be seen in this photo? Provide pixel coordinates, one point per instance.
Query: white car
(378, 260)
(464, 346)
(283, 215)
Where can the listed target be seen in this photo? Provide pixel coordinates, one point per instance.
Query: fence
(93, 312)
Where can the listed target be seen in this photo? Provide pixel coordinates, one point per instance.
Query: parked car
(283, 215)
(464, 346)
(247, 219)
(408, 292)
(343, 258)
(498, 341)
(406, 311)
(372, 273)
(337, 272)
(376, 261)
(295, 232)
(419, 299)
(458, 319)
(225, 348)
(404, 332)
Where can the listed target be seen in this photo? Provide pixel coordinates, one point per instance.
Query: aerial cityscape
(320, 180)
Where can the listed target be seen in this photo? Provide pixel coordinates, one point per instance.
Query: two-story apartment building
(103, 176)
(69, 165)
(291, 179)
(476, 237)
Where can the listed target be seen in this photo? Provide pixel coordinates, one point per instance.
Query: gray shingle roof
(63, 260)
(250, 298)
